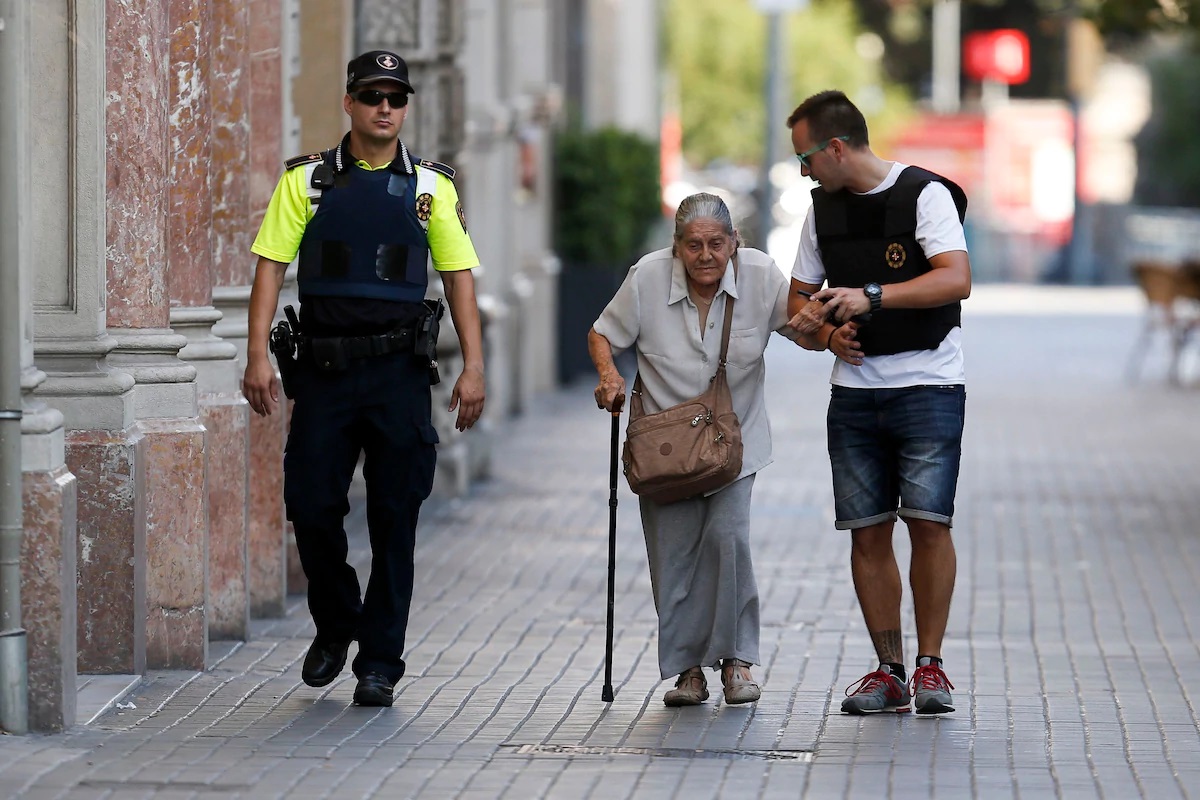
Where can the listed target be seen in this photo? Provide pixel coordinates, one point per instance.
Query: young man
(888, 239)
(364, 218)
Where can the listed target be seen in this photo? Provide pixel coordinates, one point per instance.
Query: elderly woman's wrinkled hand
(610, 392)
(810, 318)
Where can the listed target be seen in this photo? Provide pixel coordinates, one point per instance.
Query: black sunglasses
(373, 97)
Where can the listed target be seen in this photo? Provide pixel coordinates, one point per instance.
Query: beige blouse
(653, 313)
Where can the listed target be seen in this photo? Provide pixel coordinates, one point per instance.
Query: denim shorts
(895, 452)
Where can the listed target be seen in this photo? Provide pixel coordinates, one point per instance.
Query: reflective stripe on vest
(426, 184)
(314, 194)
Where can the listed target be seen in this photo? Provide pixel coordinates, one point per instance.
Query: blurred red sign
(952, 146)
(1016, 163)
(999, 55)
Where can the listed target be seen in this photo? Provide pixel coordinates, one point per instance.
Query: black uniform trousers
(379, 407)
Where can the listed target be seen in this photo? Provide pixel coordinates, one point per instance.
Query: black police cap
(377, 65)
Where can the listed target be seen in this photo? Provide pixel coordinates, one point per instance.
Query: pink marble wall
(171, 478)
(111, 554)
(48, 597)
(227, 419)
(268, 589)
(189, 234)
(191, 279)
(230, 92)
(266, 105)
(137, 162)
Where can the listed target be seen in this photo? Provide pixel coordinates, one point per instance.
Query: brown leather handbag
(690, 448)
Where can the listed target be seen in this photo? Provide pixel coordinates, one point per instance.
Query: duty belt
(332, 352)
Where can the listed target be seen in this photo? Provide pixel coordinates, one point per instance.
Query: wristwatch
(874, 293)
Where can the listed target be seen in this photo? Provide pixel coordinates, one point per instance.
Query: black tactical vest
(872, 238)
(365, 239)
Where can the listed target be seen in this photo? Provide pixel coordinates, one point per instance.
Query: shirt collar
(679, 282)
(401, 165)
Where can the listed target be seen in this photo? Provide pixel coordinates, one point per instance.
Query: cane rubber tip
(607, 694)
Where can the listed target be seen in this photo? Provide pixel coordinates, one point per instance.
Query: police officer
(364, 219)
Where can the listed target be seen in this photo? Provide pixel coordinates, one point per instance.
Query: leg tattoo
(888, 646)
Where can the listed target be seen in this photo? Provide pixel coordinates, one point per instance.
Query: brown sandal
(739, 685)
(691, 689)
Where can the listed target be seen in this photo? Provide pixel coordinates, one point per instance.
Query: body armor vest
(872, 238)
(365, 239)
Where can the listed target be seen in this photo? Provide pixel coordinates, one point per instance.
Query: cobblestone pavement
(1072, 640)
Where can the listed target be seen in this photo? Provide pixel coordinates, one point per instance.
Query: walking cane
(607, 695)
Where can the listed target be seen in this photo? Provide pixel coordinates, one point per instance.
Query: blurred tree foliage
(607, 195)
(1135, 18)
(905, 26)
(716, 51)
(1168, 155)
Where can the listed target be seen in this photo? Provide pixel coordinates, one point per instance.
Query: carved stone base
(111, 551)
(227, 419)
(48, 597)
(268, 560)
(171, 473)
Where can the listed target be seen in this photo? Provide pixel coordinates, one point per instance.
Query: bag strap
(729, 299)
(635, 399)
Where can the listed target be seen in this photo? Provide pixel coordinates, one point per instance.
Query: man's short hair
(830, 113)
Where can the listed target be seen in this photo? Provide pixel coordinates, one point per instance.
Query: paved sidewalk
(1073, 640)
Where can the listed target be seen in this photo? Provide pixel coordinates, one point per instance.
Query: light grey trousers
(703, 578)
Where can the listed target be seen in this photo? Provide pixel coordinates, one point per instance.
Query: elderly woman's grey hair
(703, 206)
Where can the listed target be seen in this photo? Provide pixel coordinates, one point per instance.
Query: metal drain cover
(804, 756)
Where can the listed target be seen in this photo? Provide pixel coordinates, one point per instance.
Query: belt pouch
(328, 353)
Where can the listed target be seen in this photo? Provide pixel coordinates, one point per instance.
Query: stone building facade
(150, 135)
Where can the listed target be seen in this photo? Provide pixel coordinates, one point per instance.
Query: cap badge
(387, 61)
(895, 255)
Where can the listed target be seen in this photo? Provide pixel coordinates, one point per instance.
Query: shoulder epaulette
(437, 166)
(300, 161)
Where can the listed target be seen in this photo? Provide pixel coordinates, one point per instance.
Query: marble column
(48, 574)
(169, 469)
(239, 39)
(47, 557)
(266, 165)
(80, 409)
(223, 410)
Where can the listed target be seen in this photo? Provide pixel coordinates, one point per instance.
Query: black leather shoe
(324, 662)
(373, 690)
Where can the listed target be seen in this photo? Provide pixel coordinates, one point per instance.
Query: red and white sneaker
(876, 692)
(931, 690)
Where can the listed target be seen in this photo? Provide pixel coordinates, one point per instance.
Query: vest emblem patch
(424, 206)
(462, 216)
(895, 255)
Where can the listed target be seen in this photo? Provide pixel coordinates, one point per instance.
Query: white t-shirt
(938, 231)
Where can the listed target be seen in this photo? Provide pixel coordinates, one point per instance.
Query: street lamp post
(947, 30)
(772, 89)
(14, 660)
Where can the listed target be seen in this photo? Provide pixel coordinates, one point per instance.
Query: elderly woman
(670, 309)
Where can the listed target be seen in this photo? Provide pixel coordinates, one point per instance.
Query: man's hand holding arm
(947, 282)
(469, 390)
(809, 324)
(259, 385)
